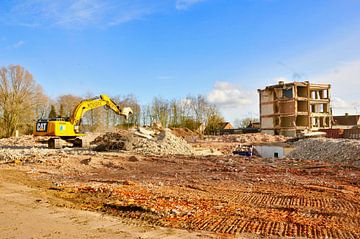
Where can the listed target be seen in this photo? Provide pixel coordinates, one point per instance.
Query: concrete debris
(121, 140)
(143, 135)
(312, 134)
(33, 154)
(30, 149)
(23, 141)
(146, 131)
(227, 143)
(250, 138)
(186, 134)
(157, 125)
(334, 150)
(144, 141)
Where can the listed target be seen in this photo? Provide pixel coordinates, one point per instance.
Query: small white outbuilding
(273, 150)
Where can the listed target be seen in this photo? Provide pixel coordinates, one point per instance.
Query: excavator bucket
(126, 112)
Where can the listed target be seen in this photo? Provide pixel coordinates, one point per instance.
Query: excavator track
(55, 143)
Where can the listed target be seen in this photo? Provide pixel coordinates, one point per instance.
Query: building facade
(292, 108)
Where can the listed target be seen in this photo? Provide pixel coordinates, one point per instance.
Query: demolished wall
(292, 108)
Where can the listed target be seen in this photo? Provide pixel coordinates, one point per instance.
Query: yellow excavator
(68, 129)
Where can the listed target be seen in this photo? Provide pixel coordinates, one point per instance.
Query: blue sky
(224, 49)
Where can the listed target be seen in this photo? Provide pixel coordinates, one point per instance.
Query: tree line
(23, 101)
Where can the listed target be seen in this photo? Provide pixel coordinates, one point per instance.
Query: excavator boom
(94, 103)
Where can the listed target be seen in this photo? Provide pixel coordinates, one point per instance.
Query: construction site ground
(79, 193)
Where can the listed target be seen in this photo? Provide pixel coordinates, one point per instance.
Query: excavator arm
(94, 103)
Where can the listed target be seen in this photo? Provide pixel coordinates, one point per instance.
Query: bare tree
(92, 118)
(61, 110)
(21, 99)
(237, 123)
(199, 106)
(147, 118)
(214, 120)
(132, 102)
(52, 113)
(174, 119)
(160, 110)
(40, 102)
(68, 102)
(243, 123)
(190, 112)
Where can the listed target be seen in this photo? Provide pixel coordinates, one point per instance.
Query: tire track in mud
(296, 202)
(236, 226)
(334, 210)
(314, 217)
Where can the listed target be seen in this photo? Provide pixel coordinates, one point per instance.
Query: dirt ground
(118, 195)
(27, 213)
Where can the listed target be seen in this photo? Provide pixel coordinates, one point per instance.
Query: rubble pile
(16, 148)
(145, 142)
(334, 150)
(38, 154)
(186, 134)
(227, 143)
(256, 137)
(248, 138)
(165, 143)
(22, 141)
(10, 155)
(113, 141)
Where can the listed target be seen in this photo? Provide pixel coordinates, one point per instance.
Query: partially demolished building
(292, 108)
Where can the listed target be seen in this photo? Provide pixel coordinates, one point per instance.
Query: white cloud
(345, 85)
(228, 95)
(232, 101)
(185, 4)
(341, 106)
(16, 45)
(77, 13)
(339, 103)
(131, 15)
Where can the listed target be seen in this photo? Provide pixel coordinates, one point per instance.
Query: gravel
(334, 150)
